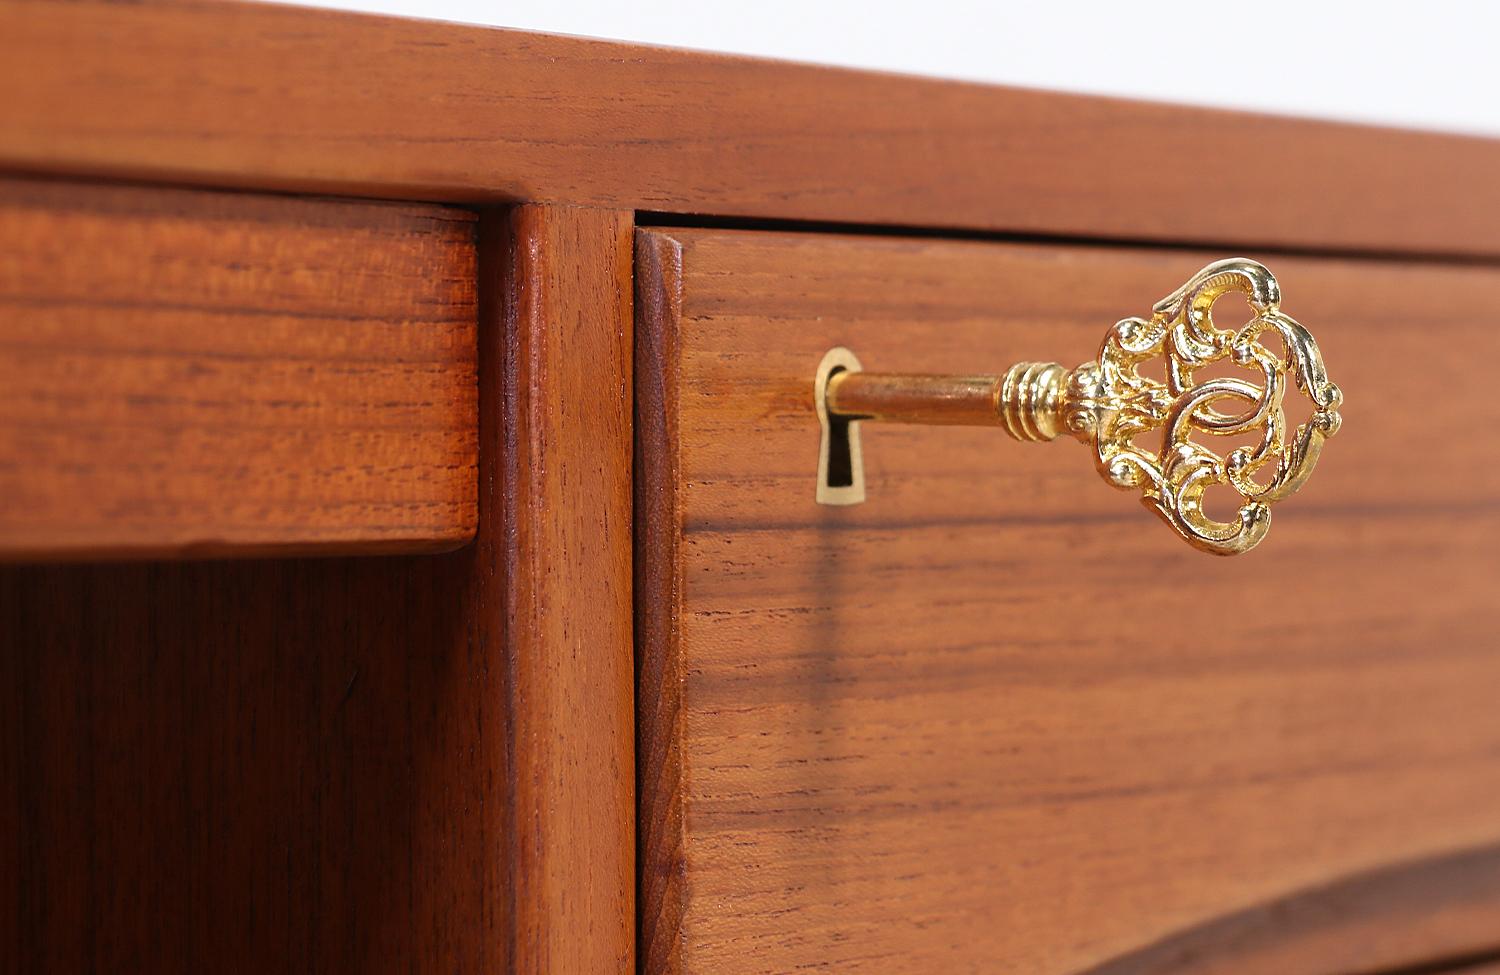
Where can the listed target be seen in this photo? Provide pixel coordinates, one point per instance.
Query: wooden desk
(412, 565)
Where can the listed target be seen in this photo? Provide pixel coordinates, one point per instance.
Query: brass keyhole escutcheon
(1108, 404)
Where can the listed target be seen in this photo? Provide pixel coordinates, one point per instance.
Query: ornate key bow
(1110, 405)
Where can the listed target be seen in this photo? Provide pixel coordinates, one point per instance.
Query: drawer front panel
(996, 718)
(184, 372)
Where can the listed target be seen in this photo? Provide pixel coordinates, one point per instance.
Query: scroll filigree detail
(1110, 404)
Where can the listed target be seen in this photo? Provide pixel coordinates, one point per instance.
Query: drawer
(185, 372)
(997, 718)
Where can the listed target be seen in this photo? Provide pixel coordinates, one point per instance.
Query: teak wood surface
(248, 94)
(998, 717)
(571, 708)
(195, 373)
(412, 764)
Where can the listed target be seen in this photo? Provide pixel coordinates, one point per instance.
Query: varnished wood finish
(413, 764)
(193, 373)
(261, 95)
(658, 606)
(568, 494)
(997, 718)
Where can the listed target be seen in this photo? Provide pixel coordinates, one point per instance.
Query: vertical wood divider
(566, 315)
(658, 583)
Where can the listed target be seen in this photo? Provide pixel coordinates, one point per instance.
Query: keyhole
(840, 457)
(841, 474)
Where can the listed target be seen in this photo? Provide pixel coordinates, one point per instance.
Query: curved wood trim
(658, 588)
(237, 94)
(1433, 913)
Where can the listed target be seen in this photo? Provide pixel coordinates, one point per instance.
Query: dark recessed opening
(840, 469)
(840, 458)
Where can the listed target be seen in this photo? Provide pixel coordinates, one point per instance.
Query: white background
(1423, 63)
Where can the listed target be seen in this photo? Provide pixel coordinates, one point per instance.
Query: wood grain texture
(192, 373)
(998, 718)
(256, 766)
(258, 95)
(658, 607)
(568, 492)
(411, 764)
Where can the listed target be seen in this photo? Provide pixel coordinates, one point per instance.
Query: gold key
(1108, 404)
